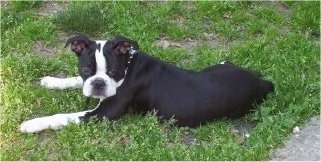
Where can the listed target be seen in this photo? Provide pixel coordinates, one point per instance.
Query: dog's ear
(123, 45)
(78, 43)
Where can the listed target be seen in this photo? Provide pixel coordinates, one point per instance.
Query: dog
(120, 75)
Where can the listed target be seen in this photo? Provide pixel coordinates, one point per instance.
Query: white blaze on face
(100, 59)
(101, 70)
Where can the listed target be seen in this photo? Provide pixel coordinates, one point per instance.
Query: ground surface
(304, 146)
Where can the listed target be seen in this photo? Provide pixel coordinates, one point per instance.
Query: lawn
(279, 39)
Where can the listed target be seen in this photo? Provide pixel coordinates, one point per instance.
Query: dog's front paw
(50, 82)
(34, 125)
(54, 122)
(61, 83)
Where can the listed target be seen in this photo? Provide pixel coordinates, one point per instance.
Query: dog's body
(120, 75)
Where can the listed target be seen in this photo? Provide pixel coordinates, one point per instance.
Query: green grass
(83, 19)
(282, 41)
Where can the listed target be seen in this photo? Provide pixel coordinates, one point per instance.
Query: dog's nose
(98, 83)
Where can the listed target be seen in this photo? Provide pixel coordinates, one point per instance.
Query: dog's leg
(61, 83)
(111, 108)
(54, 122)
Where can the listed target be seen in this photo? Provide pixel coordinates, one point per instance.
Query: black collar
(132, 52)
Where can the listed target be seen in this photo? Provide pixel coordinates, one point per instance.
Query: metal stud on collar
(132, 52)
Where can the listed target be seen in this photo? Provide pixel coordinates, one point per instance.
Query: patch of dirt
(4, 4)
(166, 43)
(188, 138)
(241, 130)
(43, 49)
(49, 8)
(180, 21)
(189, 5)
(211, 39)
(280, 6)
(62, 37)
(125, 141)
(40, 48)
(214, 41)
(187, 44)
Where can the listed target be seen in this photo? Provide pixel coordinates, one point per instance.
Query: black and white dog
(120, 75)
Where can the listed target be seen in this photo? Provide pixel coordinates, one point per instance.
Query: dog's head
(119, 53)
(102, 64)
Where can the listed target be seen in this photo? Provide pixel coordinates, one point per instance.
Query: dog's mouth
(100, 94)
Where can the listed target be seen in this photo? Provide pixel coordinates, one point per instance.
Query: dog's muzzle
(100, 86)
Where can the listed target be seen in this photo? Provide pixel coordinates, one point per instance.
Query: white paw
(54, 122)
(50, 82)
(34, 125)
(61, 83)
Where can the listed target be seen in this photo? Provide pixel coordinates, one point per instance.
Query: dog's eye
(86, 71)
(112, 72)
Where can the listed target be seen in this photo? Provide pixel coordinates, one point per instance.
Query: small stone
(296, 130)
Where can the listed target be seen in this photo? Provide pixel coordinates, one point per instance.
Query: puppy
(120, 75)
